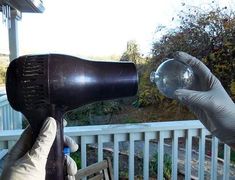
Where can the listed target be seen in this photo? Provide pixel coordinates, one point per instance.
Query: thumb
(44, 141)
(192, 98)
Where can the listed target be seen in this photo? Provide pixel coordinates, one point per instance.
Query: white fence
(146, 132)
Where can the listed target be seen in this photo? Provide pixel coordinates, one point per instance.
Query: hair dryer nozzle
(80, 82)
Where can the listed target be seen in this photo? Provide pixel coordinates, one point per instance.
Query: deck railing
(9, 118)
(160, 137)
(145, 133)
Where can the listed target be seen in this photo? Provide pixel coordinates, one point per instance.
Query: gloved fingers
(71, 166)
(193, 98)
(44, 140)
(70, 178)
(22, 145)
(198, 67)
(68, 141)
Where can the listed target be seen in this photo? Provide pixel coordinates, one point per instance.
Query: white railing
(9, 118)
(165, 134)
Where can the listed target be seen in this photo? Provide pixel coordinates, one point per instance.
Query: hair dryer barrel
(35, 82)
(74, 82)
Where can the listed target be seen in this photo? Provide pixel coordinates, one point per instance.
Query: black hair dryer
(50, 85)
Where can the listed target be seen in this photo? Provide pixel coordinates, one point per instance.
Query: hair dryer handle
(55, 161)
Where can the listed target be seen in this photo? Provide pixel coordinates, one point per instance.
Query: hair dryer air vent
(33, 84)
(26, 87)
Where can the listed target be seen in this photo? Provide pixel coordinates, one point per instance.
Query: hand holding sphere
(172, 75)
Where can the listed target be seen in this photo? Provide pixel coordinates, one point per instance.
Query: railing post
(174, 165)
(17, 119)
(227, 152)
(202, 141)
(131, 156)
(100, 148)
(8, 117)
(188, 154)
(160, 155)
(5, 127)
(83, 152)
(214, 157)
(1, 118)
(146, 156)
(116, 157)
(11, 117)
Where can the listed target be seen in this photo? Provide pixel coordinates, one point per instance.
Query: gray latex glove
(209, 101)
(25, 162)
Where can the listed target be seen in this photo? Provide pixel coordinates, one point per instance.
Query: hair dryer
(50, 85)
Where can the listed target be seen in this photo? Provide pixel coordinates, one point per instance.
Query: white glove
(209, 101)
(25, 162)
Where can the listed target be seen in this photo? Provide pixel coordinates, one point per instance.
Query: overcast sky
(95, 27)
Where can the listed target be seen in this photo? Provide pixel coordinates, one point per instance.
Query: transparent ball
(172, 75)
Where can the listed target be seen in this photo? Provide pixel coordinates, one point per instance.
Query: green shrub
(167, 165)
(102, 108)
(76, 156)
(129, 119)
(84, 113)
(148, 93)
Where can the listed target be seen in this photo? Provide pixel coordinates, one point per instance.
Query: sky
(94, 27)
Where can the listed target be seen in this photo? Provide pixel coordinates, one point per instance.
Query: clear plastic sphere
(172, 75)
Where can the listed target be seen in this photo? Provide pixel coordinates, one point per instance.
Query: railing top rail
(116, 128)
(134, 127)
